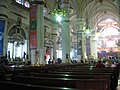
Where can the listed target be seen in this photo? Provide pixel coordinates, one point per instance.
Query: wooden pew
(73, 70)
(88, 76)
(13, 85)
(86, 72)
(88, 69)
(95, 84)
(108, 73)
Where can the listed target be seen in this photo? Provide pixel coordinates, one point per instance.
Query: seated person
(108, 63)
(99, 64)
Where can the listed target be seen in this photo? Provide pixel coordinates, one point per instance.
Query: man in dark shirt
(99, 64)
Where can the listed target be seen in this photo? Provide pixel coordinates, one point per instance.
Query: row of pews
(61, 77)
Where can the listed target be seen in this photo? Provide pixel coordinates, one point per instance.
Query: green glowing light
(58, 18)
(87, 31)
(59, 13)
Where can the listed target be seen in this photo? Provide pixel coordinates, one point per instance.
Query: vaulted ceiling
(93, 10)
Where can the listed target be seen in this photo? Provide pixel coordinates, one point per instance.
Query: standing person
(8, 55)
(68, 59)
(24, 55)
(36, 57)
(45, 59)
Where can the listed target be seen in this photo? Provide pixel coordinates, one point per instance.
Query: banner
(33, 17)
(79, 44)
(33, 27)
(103, 53)
(33, 39)
(2, 26)
(88, 46)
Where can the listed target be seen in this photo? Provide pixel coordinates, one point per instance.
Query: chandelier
(58, 11)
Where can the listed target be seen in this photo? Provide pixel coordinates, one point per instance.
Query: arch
(16, 38)
(49, 42)
(16, 30)
(106, 27)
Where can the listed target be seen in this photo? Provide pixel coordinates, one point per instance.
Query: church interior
(60, 44)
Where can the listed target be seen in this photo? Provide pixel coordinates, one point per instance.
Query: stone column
(80, 39)
(40, 30)
(88, 46)
(54, 35)
(28, 50)
(65, 24)
(93, 47)
(3, 29)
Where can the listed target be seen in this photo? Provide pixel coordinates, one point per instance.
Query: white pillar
(40, 30)
(93, 47)
(28, 52)
(65, 33)
(80, 38)
(54, 35)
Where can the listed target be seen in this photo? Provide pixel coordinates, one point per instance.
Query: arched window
(27, 4)
(24, 2)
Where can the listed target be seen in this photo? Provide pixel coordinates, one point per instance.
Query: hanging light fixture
(59, 13)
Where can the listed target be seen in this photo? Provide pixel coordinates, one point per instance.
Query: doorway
(17, 44)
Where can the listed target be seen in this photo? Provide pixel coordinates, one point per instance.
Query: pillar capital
(80, 24)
